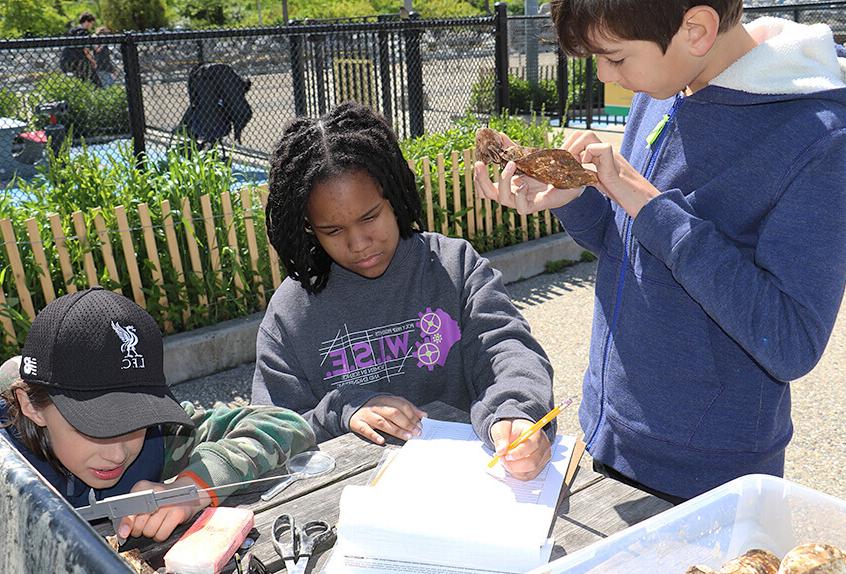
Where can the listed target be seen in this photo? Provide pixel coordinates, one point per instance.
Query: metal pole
(589, 90)
(561, 85)
(284, 12)
(501, 57)
(298, 73)
(414, 74)
(385, 73)
(531, 38)
(134, 98)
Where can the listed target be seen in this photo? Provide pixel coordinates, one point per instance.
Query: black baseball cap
(101, 358)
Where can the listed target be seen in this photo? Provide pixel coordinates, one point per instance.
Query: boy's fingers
(401, 412)
(154, 523)
(138, 524)
(527, 469)
(581, 141)
(521, 203)
(169, 524)
(125, 526)
(482, 182)
(602, 156)
(394, 421)
(504, 195)
(523, 450)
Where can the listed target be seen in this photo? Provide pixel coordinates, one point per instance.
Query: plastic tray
(754, 511)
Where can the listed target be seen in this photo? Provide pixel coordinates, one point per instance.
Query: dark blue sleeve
(586, 217)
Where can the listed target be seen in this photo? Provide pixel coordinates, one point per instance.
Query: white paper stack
(437, 509)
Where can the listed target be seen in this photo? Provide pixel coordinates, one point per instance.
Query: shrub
(544, 96)
(522, 97)
(483, 93)
(10, 104)
(91, 111)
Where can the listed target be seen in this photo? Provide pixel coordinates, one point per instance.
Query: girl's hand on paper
(527, 460)
(390, 414)
(159, 525)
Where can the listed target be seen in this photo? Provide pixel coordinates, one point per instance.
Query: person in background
(79, 61)
(106, 72)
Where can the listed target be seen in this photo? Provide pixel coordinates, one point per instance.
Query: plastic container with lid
(754, 511)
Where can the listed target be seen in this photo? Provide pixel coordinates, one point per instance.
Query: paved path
(559, 308)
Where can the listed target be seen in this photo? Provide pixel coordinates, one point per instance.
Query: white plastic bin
(754, 511)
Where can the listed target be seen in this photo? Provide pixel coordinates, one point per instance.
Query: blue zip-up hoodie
(727, 285)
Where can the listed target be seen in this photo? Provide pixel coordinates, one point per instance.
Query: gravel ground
(559, 307)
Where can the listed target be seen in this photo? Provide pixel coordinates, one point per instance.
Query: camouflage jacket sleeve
(233, 444)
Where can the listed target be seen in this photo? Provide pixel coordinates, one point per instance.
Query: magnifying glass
(304, 465)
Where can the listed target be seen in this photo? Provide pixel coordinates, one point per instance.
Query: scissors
(295, 545)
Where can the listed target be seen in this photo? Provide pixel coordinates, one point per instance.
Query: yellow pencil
(532, 430)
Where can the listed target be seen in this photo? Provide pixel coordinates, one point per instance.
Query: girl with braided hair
(376, 315)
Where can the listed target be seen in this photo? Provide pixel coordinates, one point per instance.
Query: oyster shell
(700, 570)
(556, 167)
(814, 559)
(754, 561)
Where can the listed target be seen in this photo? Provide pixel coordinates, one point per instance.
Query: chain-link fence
(233, 87)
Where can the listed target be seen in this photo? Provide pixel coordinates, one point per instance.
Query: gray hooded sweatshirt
(438, 325)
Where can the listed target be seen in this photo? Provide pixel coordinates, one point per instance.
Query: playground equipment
(23, 161)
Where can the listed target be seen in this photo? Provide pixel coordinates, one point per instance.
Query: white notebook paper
(436, 508)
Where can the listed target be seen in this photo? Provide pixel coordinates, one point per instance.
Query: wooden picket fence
(54, 257)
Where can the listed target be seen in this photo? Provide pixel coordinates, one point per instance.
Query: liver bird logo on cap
(132, 358)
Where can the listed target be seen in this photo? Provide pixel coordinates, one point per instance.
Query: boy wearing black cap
(91, 409)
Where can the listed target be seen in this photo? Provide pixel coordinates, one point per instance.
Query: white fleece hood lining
(790, 58)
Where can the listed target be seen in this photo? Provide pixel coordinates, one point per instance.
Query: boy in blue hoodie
(720, 232)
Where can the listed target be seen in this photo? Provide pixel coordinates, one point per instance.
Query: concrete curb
(528, 259)
(218, 347)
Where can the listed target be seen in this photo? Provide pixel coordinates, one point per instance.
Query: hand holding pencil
(529, 434)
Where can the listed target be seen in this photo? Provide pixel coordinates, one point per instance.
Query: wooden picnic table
(592, 508)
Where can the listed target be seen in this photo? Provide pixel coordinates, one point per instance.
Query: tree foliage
(205, 13)
(53, 17)
(29, 18)
(133, 14)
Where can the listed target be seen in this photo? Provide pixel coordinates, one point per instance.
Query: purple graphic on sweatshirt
(368, 355)
(439, 332)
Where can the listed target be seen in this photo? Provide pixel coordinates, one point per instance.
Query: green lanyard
(662, 123)
(656, 131)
